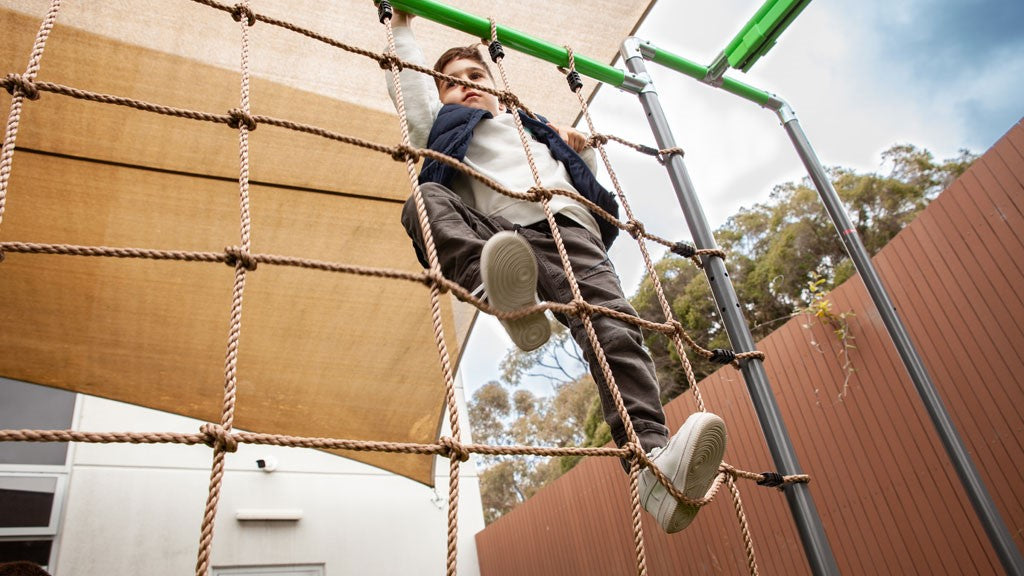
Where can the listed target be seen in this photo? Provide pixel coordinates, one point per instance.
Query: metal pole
(816, 545)
(993, 523)
(997, 531)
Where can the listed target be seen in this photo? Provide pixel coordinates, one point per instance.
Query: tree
(782, 256)
(507, 413)
(777, 249)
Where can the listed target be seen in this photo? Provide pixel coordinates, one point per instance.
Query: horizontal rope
(232, 255)
(210, 434)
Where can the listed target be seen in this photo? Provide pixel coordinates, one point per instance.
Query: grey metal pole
(816, 545)
(993, 523)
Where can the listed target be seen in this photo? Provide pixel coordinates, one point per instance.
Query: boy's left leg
(622, 342)
(690, 459)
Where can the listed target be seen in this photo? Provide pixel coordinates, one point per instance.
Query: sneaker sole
(509, 272)
(705, 448)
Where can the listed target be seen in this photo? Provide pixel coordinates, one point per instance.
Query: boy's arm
(419, 94)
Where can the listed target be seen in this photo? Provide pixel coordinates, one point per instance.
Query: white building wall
(137, 509)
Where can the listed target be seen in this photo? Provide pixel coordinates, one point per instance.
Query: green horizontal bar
(699, 72)
(481, 28)
(760, 33)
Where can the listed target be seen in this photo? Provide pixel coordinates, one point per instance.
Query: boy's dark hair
(459, 53)
(22, 568)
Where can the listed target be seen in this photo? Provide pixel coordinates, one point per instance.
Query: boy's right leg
(458, 230)
(481, 252)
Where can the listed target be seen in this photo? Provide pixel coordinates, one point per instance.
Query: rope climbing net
(221, 436)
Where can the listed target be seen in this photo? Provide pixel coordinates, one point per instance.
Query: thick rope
(435, 309)
(20, 89)
(588, 324)
(722, 356)
(245, 18)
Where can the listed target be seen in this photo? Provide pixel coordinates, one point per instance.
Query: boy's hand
(401, 18)
(573, 137)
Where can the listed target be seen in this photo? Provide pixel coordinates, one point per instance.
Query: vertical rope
(666, 308)
(741, 516)
(587, 323)
(566, 264)
(435, 309)
(669, 317)
(636, 517)
(17, 99)
(234, 332)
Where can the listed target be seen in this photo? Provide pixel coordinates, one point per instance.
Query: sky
(860, 76)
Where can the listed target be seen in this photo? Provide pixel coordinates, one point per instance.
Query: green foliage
(508, 413)
(777, 247)
(782, 256)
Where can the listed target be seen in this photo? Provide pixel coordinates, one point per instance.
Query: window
(33, 475)
(30, 503)
(289, 570)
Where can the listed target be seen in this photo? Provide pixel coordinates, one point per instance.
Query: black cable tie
(384, 11)
(684, 249)
(648, 150)
(574, 80)
(497, 52)
(722, 356)
(771, 479)
(240, 11)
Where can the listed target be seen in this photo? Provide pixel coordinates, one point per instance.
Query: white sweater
(496, 151)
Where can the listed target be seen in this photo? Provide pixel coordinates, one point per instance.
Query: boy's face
(466, 69)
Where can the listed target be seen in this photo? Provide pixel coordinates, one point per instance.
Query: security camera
(268, 464)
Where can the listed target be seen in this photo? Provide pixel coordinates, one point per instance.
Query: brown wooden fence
(889, 499)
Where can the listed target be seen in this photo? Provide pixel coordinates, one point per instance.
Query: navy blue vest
(453, 130)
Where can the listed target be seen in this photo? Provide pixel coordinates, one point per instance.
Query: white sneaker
(509, 272)
(690, 460)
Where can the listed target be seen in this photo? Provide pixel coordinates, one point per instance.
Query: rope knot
(665, 153)
(722, 356)
(771, 479)
(22, 84)
(402, 153)
(509, 99)
(581, 308)
(676, 327)
(538, 193)
(389, 61)
(597, 140)
(241, 118)
(635, 451)
(241, 10)
(236, 256)
(635, 229)
(432, 278)
(218, 438)
(451, 448)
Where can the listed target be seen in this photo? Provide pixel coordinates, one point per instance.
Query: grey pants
(460, 232)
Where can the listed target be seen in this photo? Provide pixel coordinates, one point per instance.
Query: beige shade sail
(321, 354)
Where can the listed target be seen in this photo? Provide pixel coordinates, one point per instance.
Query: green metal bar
(481, 28)
(699, 72)
(759, 34)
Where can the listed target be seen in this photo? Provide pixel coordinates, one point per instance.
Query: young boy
(502, 248)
